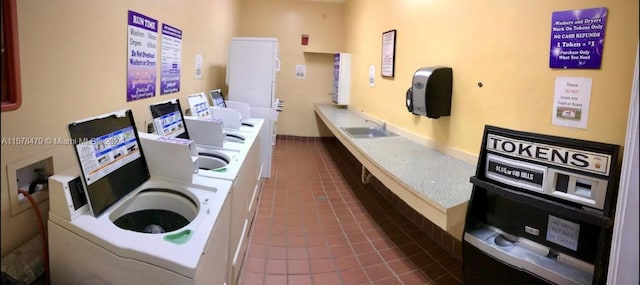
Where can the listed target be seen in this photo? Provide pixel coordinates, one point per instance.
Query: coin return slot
(503, 240)
(583, 187)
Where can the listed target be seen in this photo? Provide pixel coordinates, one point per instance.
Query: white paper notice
(198, 66)
(571, 102)
(372, 75)
(388, 53)
(563, 232)
(301, 71)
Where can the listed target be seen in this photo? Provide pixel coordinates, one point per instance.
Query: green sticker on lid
(179, 237)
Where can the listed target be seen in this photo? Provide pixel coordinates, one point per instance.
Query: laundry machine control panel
(67, 196)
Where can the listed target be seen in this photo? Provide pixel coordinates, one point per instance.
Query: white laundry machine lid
(199, 106)
(108, 150)
(168, 120)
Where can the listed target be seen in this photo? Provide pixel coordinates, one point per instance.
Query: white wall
(623, 268)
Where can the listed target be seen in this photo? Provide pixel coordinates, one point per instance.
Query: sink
(367, 132)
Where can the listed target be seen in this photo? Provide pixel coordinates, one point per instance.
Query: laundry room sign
(142, 56)
(577, 38)
(171, 59)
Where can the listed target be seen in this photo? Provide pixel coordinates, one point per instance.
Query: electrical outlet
(30, 175)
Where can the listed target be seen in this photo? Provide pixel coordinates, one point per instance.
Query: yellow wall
(504, 45)
(73, 58)
(287, 20)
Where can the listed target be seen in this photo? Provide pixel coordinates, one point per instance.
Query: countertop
(440, 181)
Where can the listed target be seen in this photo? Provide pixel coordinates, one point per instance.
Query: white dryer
(118, 224)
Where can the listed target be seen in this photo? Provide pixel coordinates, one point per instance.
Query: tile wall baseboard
(301, 138)
(441, 237)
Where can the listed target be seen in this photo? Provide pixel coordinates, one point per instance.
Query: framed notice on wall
(388, 53)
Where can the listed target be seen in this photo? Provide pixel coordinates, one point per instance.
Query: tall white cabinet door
(251, 70)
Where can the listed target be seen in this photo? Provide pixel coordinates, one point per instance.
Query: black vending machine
(541, 210)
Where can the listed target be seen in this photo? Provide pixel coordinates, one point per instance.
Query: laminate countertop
(434, 184)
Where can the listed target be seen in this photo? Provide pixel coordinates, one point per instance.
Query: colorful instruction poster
(571, 102)
(142, 52)
(577, 38)
(105, 154)
(171, 58)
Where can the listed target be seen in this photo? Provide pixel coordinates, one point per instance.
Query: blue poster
(171, 58)
(142, 53)
(577, 38)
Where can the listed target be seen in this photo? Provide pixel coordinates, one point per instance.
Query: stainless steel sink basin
(367, 132)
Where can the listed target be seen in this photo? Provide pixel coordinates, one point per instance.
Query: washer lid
(199, 106)
(168, 120)
(108, 150)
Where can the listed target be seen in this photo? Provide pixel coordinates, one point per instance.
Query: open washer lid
(199, 106)
(168, 120)
(108, 150)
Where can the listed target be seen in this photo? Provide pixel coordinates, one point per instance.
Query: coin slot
(583, 187)
(562, 182)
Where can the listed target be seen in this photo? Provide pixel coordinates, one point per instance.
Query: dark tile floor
(317, 224)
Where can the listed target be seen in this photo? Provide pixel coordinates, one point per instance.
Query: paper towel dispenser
(430, 92)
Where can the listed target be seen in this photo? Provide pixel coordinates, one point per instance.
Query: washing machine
(112, 221)
(206, 122)
(235, 128)
(168, 121)
(216, 158)
(257, 120)
(248, 116)
(243, 108)
(245, 191)
(211, 133)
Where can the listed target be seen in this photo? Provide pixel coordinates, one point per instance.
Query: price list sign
(577, 38)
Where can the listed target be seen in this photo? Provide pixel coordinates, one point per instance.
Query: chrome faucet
(383, 125)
